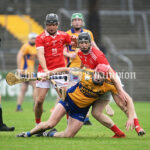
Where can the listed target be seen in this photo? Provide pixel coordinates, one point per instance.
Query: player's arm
(23, 51)
(94, 44)
(118, 85)
(129, 109)
(19, 56)
(82, 65)
(41, 58)
(92, 38)
(40, 53)
(67, 54)
(71, 40)
(59, 70)
(74, 71)
(103, 60)
(115, 80)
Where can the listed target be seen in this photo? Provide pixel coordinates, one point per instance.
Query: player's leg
(55, 117)
(39, 99)
(24, 87)
(3, 127)
(87, 120)
(1, 118)
(97, 112)
(75, 121)
(124, 108)
(73, 127)
(33, 84)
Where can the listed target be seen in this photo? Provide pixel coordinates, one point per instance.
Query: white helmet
(32, 36)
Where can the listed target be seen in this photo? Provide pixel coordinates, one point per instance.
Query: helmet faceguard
(84, 37)
(77, 16)
(51, 19)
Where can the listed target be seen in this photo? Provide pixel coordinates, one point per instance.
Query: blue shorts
(73, 110)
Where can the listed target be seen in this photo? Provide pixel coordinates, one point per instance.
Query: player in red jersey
(50, 45)
(91, 57)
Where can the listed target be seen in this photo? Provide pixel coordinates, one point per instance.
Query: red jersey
(53, 48)
(93, 58)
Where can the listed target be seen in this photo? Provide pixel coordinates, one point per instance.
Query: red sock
(116, 130)
(38, 120)
(67, 116)
(136, 122)
(138, 129)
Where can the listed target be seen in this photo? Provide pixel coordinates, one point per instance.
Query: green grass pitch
(95, 137)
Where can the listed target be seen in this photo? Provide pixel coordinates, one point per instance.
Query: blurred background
(121, 29)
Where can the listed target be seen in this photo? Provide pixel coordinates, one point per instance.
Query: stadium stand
(20, 26)
(129, 34)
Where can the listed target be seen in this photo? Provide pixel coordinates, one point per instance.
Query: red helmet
(102, 68)
(100, 74)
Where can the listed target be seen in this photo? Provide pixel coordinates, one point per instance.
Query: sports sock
(137, 125)
(136, 122)
(38, 120)
(116, 130)
(86, 119)
(52, 133)
(1, 117)
(18, 107)
(28, 134)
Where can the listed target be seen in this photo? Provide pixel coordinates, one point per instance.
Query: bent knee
(69, 135)
(95, 114)
(49, 125)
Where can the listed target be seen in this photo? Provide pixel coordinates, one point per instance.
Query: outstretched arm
(41, 59)
(128, 109)
(59, 70)
(115, 79)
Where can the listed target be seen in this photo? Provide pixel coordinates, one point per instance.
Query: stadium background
(120, 27)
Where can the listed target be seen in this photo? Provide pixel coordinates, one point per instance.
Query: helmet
(100, 74)
(77, 16)
(32, 35)
(102, 68)
(84, 36)
(51, 19)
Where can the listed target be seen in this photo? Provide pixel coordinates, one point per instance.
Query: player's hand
(74, 41)
(46, 75)
(72, 55)
(20, 72)
(130, 124)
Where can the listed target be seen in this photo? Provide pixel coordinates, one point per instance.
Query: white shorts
(60, 82)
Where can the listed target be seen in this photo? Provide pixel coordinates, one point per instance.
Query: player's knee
(96, 114)
(50, 125)
(38, 103)
(39, 100)
(69, 134)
